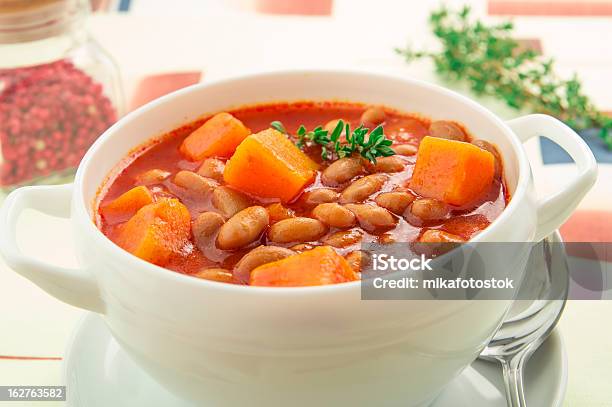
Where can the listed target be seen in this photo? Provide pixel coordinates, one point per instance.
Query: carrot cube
(218, 137)
(454, 172)
(319, 266)
(157, 231)
(126, 205)
(269, 165)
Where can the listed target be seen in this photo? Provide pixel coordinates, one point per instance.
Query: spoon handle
(512, 366)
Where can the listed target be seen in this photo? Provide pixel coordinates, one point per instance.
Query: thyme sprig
(495, 64)
(362, 141)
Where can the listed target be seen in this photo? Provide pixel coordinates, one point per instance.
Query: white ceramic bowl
(235, 345)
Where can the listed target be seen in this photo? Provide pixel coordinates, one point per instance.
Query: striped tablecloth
(158, 54)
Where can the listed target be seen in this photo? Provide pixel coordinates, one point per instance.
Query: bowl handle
(73, 286)
(554, 210)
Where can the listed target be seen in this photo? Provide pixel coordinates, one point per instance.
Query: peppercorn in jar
(59, 90)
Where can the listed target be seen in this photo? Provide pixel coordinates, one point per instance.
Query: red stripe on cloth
(154, 86)
(97, 5)
(300, 7)
(533, 44)
(550, 8)
(7, 357)
(589, 226)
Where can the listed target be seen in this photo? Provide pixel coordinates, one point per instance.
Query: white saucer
(99, 374)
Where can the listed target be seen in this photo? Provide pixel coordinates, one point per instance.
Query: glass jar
(59, 90)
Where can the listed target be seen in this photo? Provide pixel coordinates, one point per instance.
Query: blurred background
(357, 33)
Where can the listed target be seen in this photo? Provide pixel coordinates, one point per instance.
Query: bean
(436, 243)
(485, 145)
(342, 170)
(373, 115)
(204, 228)
(212, 168)
(228, 201)
(344, 238)
(334, 215)
(396, 201)
(405, 149)
(194, 183)
(429, 209)
(357, 260)
(387, 164)
(215, 274)
(297, 230)
(372, 218)
(257, 257)
(243, 228)
(151, 177)
(319, 196)
(439, 236)
(447, 130)
(278, 212)
(361, 189)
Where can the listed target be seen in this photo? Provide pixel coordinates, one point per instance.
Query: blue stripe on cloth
(553, 154)
(124, 5)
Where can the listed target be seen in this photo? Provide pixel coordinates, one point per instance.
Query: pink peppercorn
(49, 116)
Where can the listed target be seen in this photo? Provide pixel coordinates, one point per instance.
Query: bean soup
(285, 194)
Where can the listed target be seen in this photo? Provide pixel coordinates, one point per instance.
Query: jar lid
(30, 20)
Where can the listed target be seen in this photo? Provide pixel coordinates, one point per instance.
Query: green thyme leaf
(376, 144)
(493, 63)
(278, 126)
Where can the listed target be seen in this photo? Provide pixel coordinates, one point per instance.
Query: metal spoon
(525, 330)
